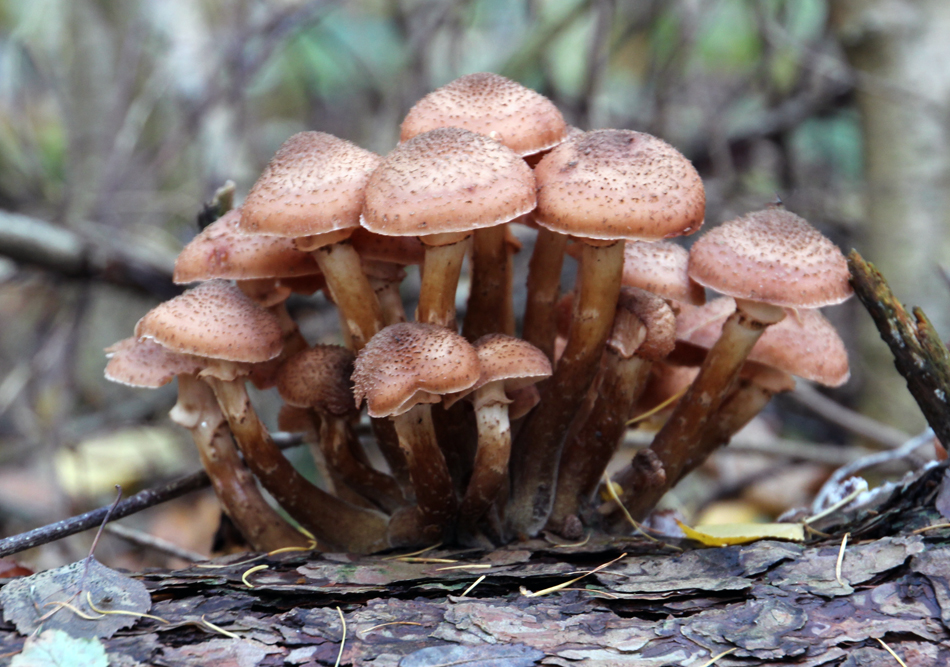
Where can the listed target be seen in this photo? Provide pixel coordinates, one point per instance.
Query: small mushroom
(401, 372)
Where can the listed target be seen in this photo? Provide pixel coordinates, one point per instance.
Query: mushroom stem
(427, 469)
(590, 448)
(746, 401)
(490, 308)
(390, 301)
(261, 525)
(440, 277)
(294, 341)
(491, 458)
(388, 442)
(337, 442)
(675, 443)
(544, 287)
(331, 520)
(536, 453)
(351, 291)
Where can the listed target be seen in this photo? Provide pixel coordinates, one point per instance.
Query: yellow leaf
(724, 534)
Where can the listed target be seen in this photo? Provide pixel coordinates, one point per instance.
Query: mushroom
(312, 190)
(217, 321)
(440, 186)
(644, 331)
(144, 363)
(402, 371)
(601, 187)
(319, 379)
(507, 365)
(768, 261)
(517, 117)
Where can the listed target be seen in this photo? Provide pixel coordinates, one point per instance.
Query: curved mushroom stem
(337, 440)
(440, 279)
(427, 469)
(537, 452)
(590, 448)
(490, 471)
(490, 308)
(331, 520)
(390, 300)
(353, 294)
(259, 523)
(544, 288)
(388, 442)
(675, 444)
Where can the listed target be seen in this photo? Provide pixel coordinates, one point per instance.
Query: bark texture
(768, 603)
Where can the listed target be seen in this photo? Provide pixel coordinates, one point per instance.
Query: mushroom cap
(803, 344)
(505, 358)
(658, 267)
(447, 180)
(523, 120)
(404, 250)
(314, 184)
(319, 378)
(221, 250)
(410, 363)
(216, 320)
(772, 256)
(619, 184)
(643, 325)
(144, 363)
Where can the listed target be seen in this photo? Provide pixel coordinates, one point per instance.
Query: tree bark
(765, 603)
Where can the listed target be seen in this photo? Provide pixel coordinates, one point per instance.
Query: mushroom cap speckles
(145, 363)
(517, 362)
(656, 321)
(803, 344)
(319, 378)
(619, 184)
(314, 184)
(523, 120)
(221, 250)
(214, 320)
(660, 268)
(410, 363)
(447, 180)
(772, 256)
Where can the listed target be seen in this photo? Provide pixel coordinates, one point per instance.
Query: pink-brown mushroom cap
(523, 120)
(619, 184)
(410, 363)
(144, 363)
(313, 185)
(447, 180)
(319, 378)
(772, 256)
(217, 320)
(222, 251)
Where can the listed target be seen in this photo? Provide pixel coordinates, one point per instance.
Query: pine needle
(633, 522)
(649, 413)
(891, 651)
(559, 587)
(339, 655)
(474, 584)
(414, 553)
(120, 612)
(838, 563)
(219, 629)
(256, 568)
(715, 658)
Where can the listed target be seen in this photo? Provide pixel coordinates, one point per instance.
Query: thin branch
(852, 421)
(131, 505)
(140, 539)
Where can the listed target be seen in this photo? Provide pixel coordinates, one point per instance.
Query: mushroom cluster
(484, 437)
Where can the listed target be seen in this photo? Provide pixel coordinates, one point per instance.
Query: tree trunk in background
(901, 53)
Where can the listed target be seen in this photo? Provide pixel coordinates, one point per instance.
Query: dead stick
(131, 505)
(919, 354)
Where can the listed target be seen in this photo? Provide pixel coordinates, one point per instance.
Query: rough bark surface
(769, 603)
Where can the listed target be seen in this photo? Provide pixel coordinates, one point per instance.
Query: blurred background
(119, 119)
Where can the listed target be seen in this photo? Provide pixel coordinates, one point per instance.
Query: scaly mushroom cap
(447, 180)
(145, 363)
(772, 256)
(313, 185)
(660, 268)
(319, 378)
(619, 184)
(516, 361)
(214, 319)
(410, 363)
(518, 117)
(222, 251)
(803, 344)
(639, 309)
